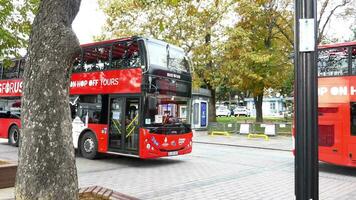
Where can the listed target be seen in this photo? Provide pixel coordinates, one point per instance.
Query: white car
(222, 111)
(241, 111)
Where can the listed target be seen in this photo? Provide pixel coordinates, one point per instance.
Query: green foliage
(15, 25)
(259, 47)
(180, 22)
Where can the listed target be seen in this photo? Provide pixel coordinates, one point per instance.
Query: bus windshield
(167, 56)
(166, 110)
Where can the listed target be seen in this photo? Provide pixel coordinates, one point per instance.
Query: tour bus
(337, 103)
(129, 96)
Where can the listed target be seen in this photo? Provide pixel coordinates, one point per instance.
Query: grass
(252, 119)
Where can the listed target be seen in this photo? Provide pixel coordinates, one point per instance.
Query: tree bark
(209, 65)
(212, 102)
(258, 105)
(46, 155)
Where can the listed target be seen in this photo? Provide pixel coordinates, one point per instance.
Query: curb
(245, 146)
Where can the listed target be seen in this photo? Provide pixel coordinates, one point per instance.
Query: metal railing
(277, 128)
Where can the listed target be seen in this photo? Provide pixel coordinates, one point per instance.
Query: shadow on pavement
(335, 169)
(135, 162)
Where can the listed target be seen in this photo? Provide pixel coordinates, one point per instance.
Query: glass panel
(115, 129)
(157, 54)
(11, 71)
(22, 67)
(90, 108)
(126, 55)
(96, 58)
(78, 64)
(131, 124)
(164, 110)
(353, 57)
(333, 62)
(196, 113)
(177, 60)
(11, 104)
(160, 53)
(353, 118)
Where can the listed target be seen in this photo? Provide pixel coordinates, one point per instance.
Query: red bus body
(127, 87)
(336, 103)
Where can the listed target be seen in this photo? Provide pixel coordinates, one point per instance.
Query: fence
(279, 128)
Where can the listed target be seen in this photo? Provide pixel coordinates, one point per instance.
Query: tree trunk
(258, 104)
(212, 102)
(46, 156)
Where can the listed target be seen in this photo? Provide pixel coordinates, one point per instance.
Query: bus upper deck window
(11, 69)
(96, 58)
(333, 62)
(125, 55)
(77, 64)
(22, 67)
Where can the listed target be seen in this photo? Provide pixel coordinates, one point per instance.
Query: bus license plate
(173, 153)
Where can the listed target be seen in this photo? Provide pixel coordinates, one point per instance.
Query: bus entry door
(116, 123)
(131, 124)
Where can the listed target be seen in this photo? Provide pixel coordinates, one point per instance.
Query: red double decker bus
(129, 97)
(337, 103)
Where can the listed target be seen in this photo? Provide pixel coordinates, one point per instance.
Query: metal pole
(306, 102)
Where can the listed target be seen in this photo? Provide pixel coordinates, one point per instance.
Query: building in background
(271, 106)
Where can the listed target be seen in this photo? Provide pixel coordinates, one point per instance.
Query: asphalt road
(210, 172)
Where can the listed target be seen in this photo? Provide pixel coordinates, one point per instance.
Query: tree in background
(193, 25)
(258, 50)
(46, 168)
(333, 9)
(263, 34)
(15, 25)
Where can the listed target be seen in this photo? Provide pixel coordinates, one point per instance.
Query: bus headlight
(148, 146)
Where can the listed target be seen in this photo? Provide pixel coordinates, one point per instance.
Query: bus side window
(95, 107)
(353, 118)
(125, 55)
(78, 64)
(96, 58)
(11, 71)
(22, 67)
(333, 62)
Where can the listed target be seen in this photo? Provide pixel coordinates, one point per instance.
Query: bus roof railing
(335, 45)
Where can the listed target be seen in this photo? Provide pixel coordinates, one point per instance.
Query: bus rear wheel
(14, 136)
(89, 145)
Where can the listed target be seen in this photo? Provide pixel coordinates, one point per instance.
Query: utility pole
(306, 101)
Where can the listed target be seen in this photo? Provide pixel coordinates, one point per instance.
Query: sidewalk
(282, 143)
(7, 193)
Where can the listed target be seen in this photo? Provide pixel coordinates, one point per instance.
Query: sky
(90, 20)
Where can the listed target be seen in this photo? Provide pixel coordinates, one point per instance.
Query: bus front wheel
(89, 145)
(14, 136)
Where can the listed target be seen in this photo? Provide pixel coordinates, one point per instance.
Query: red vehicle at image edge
(337, 103)
(129, 96)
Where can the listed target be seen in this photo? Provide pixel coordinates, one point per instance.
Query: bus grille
(326, 135)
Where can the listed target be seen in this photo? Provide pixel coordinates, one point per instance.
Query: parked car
(241, 111)
(222, 111)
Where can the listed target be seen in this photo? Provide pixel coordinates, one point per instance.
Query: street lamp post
(306, 102)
